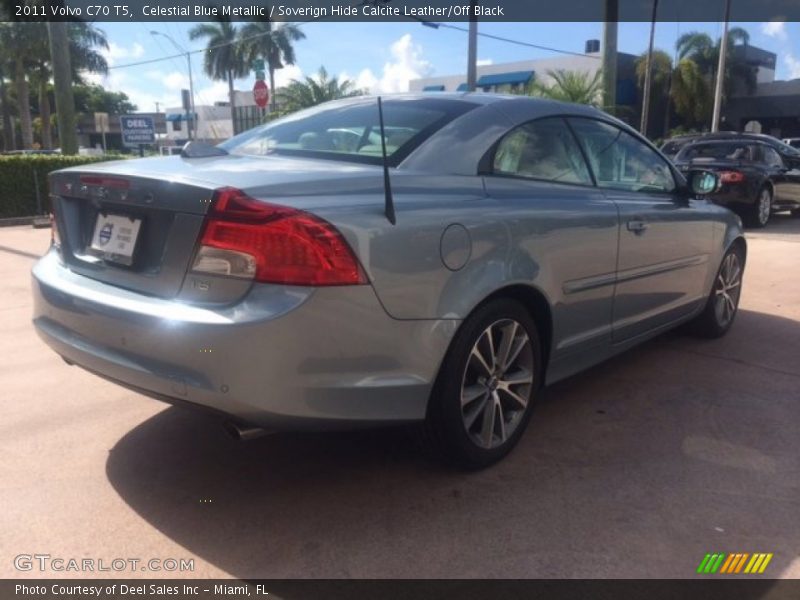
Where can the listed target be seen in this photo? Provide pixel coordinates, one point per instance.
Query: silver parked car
(264, 278)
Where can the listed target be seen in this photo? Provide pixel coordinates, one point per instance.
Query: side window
(620, 161)
(543, 149)
(772, 158)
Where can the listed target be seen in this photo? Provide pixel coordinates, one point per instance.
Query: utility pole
(62, 82)
(472, 49)
(723, 51)
(648, 75)
(610, 27)
(192, 122)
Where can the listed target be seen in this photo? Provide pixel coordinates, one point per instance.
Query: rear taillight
(256, 240)
(731, 177)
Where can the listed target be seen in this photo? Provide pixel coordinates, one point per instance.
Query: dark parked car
(788, 152)
(756, 180)
(672, 146)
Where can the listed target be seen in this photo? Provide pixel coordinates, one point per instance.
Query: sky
(384, 57)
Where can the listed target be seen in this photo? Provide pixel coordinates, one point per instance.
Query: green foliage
(20, 175)
(579, 87)
(94, 98)
(315, 90)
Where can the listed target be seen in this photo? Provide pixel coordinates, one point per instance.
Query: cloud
(116, 52)
(793, 64)
(406, 63)
(284, 76)
(775, 29)
(175, 81)
(483, 62)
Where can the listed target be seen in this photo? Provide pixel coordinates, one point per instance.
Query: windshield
(719, 151)
(350, 130)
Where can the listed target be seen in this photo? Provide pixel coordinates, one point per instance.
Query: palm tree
(272, 44)
(661, 81)
(8, 130)
(316, 90)
(19, 42)
(700, 48)
(223, 60)
(83, 39)
(579, 87)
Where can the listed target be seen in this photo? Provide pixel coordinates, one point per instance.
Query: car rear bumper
(283, 358)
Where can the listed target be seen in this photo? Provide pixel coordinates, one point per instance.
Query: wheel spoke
(487, 427)
(500, 420)
(472, 415)
(518, 400)
(517, 378)
(506, 342)
(472, 392)
(523, 341)
(477, 360)
(489, 335)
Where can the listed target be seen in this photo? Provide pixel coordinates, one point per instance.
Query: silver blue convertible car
(431, 259)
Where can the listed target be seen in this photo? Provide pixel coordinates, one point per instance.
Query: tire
(759, 214)
(723, 302)
(496, 410)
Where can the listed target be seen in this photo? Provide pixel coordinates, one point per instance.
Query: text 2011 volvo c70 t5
(436, 261)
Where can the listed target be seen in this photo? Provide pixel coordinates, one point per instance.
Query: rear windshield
(350, 130)
(719, 151)
(671, 148)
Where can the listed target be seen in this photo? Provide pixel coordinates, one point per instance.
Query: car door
(564, 229)
(785, 179)
(665, 240)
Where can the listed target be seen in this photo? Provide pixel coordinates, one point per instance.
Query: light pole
(648, 76)
(723, 49)
(472, 49)
(182, 50)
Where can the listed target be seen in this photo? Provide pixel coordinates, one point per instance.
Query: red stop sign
(261, 93)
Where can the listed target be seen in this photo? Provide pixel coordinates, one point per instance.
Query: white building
(214, 124)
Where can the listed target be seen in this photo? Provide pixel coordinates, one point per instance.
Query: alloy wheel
(727, 289)
(497, 383)
(764, 206)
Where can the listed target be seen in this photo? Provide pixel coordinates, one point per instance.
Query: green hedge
(19, 175)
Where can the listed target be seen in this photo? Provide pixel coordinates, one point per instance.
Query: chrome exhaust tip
(243, 433)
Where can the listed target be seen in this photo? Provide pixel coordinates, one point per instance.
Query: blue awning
(462, 88)
(433, 88)
(505, 78)
(179, 117)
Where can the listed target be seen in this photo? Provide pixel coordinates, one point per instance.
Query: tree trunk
(62, 79)
(44, 113)
(8, 126)
(24, 105)
(232, 98)
(272, 88)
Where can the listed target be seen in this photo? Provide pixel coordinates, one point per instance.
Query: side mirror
(702, 183)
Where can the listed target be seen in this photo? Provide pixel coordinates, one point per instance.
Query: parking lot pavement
(636, 468)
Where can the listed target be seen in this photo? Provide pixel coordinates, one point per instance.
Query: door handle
(637, 226)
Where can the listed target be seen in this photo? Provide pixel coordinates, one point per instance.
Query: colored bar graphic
(734, 563)
(764, 564)
(727, 564)
(718, 563)
(741, 562)
(703, 563)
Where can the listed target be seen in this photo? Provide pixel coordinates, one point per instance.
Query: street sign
(258, 64)
(261, 93)
(137, 130)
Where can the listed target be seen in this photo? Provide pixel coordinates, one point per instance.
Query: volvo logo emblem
(105, 234)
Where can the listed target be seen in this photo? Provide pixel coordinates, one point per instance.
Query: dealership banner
(430, 11)
(332, 589)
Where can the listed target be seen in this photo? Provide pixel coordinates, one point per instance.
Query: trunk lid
(170, 197)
